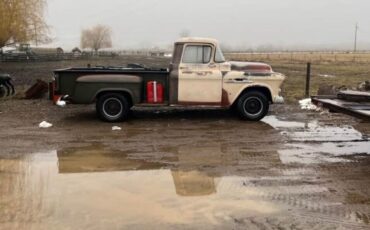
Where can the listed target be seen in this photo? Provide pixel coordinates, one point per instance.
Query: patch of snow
(279, 100)
(116, 128)
(45, 125)
(306, 104)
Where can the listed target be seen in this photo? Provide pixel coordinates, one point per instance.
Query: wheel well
(124, 93)
(261, 89)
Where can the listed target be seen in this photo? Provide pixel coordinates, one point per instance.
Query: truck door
(200, 79)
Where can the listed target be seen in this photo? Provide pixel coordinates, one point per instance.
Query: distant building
(156, 53)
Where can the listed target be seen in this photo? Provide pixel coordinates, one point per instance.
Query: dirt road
(182, 170)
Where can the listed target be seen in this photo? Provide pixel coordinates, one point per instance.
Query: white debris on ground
(61, 103)
(116, 128)
(306, 104)
(45, 125)
(326, 76)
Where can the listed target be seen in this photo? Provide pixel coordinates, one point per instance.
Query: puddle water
(312, 142)
(100, 189)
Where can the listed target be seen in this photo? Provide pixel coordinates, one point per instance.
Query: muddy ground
(182, 169)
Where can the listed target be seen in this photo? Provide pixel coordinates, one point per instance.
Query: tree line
(21, 21)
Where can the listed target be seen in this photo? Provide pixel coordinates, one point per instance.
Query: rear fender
(124, 91)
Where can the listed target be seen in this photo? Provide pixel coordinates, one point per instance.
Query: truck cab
(198, 76)
(197, 72)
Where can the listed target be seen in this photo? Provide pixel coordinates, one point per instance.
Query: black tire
(112, 107)
(253, 106)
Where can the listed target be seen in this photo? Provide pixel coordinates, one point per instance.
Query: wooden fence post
(308, 79)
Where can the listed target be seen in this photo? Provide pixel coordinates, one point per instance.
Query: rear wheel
(112, 107)
(253, 106)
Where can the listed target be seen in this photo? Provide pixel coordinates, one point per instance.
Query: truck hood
(251, 67)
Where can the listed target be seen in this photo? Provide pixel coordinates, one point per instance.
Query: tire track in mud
(306, 187)
(318, 212)
(292, 222)
(306, 201)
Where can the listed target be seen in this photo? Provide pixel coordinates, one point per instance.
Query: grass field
(336, 69)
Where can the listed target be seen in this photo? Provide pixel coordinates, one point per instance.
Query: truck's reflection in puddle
(96, 158)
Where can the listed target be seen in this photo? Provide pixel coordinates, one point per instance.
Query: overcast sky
(242, 23)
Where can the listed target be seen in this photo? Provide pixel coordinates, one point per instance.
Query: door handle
(212, 65)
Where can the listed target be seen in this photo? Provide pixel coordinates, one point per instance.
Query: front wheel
(112, 107)
(253, 106)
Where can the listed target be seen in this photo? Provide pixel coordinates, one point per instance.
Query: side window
(197, 54)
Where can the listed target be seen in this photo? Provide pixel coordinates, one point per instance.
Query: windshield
(219, 55)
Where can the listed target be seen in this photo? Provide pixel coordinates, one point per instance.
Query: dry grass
(329, 72)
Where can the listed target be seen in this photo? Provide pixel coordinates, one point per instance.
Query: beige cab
(206, 78)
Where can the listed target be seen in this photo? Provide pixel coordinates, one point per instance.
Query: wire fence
(302, 57)
(32, 57)
(292, 57)
(41, 57)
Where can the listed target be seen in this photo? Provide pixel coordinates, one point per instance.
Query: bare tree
(22, 21)
(96, 38)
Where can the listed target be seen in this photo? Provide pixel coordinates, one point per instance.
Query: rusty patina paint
(196, 103)
(174, 74)
(225, 102)
(225, 98)
(251, 67)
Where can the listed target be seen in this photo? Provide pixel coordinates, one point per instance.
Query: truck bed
(67, 77)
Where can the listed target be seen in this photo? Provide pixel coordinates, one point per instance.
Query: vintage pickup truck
(198, 76)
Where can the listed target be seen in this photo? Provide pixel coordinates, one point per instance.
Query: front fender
(236, 83)
(256, 86)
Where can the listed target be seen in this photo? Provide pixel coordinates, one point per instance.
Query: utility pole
(356, 30)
